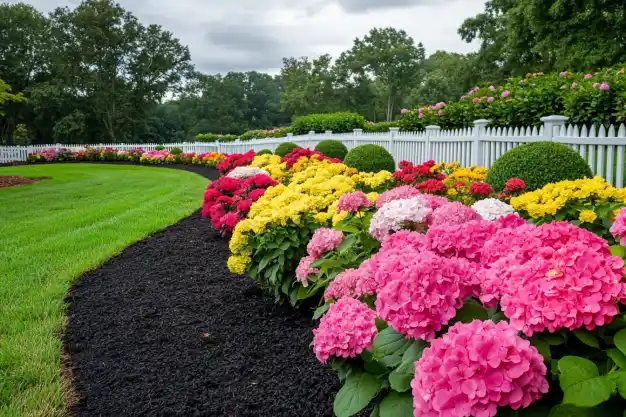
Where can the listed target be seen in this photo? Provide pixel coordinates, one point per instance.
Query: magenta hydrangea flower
(476, 100)
(398, 193)
(344, 285)
(352, 202)
(618, 229)
(604, 86)
(511, 220)
(558, 234)
(421, 296)
(453, 213)
(574, 85)
(346, 330)
(596, 85)
(506, 93)
(509, 240)
(587, 76)
(324, 240)
(404, 239)
(461, 240)
(434, 201)
(475, 368)
(304, 270)
(569, 287)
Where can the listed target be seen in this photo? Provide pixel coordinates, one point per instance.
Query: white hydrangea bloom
(394, 216)
(246, 172)
(492, 209)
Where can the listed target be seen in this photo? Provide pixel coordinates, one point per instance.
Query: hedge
(332, 149)
(284, 148)
(337, 122)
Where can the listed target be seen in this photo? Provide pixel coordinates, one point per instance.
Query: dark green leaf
(620, 340)
(618, 357)
(356, 394)
(320, 311)
(543, 347)
(389, 342)
(397, 405)
(569, 410)
(553, 339)
(618, 250)
(587, 338)
(471, 310)
(376, 411)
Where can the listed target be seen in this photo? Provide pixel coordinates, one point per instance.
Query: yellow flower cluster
(371, 179)
(444, 167)
(587, 216)
(467, 175)
(271, 163)
(210, 158)
(314, 191)
(553, 197)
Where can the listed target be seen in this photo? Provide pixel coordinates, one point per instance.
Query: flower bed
(437, 296)
(137, 155)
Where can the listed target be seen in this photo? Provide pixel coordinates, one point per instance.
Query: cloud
(242, 35)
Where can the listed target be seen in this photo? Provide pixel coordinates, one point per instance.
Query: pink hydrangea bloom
(506, 93)
(398, 193)
(304, 270)
(421, 296)
(557, 234)
(420, 116)
(618, 229)
(492, 88)
(509, 240)
(569, 287)
(587, 76)
(397, 215)
(344, 285)
(404, 111)
(596, 85)
(491, 99)
(404, 239)
(604, 87)
(352, 202)
(511, 220)
(476, 100)
(434, 201)
(461, 241)
(324, 240)
(475, 368)
(453, 213)
(346, 330)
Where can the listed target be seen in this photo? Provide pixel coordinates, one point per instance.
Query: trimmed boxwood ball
(370, 158)
(538, 164)
(176, 151)
(264, 152)
(284, 148)
(332, 149)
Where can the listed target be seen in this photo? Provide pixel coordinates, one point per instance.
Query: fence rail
(604, 149)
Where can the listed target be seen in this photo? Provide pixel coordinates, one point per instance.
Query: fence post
(549, 123)
(393, 132)
(431, 132)
(477, 145)
(219, 146)
(357, 132)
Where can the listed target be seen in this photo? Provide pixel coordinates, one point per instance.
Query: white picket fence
(602, 148)
(20, 153)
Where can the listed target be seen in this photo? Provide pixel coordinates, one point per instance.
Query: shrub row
(586, 98)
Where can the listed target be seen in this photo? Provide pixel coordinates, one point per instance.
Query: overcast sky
(241, 35)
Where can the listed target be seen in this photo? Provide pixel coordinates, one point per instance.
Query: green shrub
(177, 151)
(159, 148)
(207, 137)
(380, 127)
(264, 152)
(227, 138)
(284, 148)
(332, 149)
(538, 164)
(370, 158)
(337, 122)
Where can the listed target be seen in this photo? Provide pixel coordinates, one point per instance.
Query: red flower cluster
(227, 201)
(411, 174)
(294, 156)
(481, 189)
(432, 186)
(235, 160)
(514, 185)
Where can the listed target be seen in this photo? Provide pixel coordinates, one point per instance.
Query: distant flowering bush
(235, 160)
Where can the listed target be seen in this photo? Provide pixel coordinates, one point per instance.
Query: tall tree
(389, 55)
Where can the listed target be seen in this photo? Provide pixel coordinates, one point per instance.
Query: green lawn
(50, 233)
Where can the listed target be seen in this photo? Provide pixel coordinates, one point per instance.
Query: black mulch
(164, 329)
